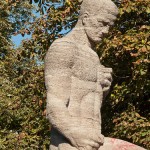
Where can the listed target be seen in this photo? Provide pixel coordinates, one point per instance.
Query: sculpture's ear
(80, 1)
(85, 17)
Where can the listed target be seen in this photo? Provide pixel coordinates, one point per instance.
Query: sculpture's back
(77, 83)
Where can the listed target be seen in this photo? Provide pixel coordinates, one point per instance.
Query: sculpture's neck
(79, 36)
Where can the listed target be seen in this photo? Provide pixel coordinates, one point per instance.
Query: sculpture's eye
(101, 24)
(105, 23)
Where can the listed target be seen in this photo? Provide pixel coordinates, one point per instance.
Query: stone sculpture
(76, 81)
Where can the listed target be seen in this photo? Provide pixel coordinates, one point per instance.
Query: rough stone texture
(76, 81)
(116, 144)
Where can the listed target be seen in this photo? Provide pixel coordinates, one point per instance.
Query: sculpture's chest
(85, 65)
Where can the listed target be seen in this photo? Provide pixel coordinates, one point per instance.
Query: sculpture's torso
(86, 93)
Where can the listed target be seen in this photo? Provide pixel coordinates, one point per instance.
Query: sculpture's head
(97, 16)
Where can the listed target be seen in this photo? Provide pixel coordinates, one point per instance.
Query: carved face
(96, 26)
(97, 17)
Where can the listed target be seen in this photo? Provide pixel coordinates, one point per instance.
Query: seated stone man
(76, 82)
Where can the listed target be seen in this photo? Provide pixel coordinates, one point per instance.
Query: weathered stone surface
(116, 144)
(76, 81)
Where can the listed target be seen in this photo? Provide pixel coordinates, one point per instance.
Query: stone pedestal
(116, 144)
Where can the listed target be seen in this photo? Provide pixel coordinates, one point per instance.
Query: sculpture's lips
(100, 36)
(103, 34)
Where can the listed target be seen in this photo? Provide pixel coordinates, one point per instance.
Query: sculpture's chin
(116, 144)
(96, 40)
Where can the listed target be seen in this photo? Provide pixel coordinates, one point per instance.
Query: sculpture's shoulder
(61, 53)
(64, 45)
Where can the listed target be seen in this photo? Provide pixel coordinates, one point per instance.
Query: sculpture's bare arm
(58, 83)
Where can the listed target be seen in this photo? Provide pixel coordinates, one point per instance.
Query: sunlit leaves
(23, 125)
(57, 19)
(127, 51)
(22, 122)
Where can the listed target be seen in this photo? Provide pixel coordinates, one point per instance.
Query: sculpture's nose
(105, 31)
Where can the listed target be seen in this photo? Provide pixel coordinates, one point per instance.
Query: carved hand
(85, 139)
(105, 79)
(88, 148)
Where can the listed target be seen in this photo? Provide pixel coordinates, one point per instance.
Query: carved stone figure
(76, 81)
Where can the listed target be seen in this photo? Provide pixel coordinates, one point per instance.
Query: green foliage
(23, 123)
(22, 105)
(48, 27)
(127, 51)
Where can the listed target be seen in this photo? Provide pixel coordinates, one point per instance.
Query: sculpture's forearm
(58, 115)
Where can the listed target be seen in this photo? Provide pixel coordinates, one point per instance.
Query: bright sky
(18, 38)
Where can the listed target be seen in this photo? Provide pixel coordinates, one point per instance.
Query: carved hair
(97, 6)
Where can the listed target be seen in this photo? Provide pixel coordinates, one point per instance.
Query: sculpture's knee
(59, 142)
(52, 147)
(66, 146)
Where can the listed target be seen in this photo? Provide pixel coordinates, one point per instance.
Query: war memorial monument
(77, 83)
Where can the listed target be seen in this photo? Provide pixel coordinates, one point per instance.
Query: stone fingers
(89, 148)
(101, 139)
(66, 146)
(108, 76)
(92, 144)
(86, 148)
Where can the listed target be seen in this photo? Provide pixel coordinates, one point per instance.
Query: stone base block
(116, 144)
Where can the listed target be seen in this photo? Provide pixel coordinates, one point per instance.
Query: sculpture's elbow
(54, 104)
(55, 109)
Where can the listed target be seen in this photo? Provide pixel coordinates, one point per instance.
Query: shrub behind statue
(76, 81)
